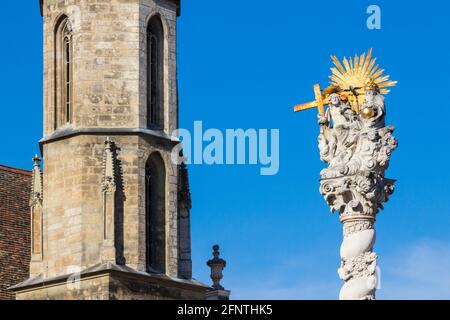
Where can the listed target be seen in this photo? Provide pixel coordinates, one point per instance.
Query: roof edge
(15, 170)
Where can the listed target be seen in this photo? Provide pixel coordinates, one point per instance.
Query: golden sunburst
(356, 72)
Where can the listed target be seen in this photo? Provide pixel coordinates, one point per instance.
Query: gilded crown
(371, 85)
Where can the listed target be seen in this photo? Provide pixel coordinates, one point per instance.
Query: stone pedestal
(218, 295)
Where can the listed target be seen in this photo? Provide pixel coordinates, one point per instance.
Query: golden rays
(355, 73)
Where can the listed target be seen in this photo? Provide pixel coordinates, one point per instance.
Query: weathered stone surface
(357, 150)
(111, 282)
(94, 203)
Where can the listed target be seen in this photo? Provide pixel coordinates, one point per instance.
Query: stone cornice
(108, 269)
(69, 132)
(177, 2)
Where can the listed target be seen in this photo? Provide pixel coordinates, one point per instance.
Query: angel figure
(337, 136)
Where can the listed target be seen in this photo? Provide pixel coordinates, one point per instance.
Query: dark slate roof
(14, 170)
(176, 1)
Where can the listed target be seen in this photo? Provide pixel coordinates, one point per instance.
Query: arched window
(155, 74)
(63, 73)
(155, 214)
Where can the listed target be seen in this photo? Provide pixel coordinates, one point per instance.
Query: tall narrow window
(155, 214)
(63, 73)
(67, 73)
(155, 71)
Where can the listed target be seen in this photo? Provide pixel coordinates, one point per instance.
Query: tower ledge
(110, 282)
(68, 132)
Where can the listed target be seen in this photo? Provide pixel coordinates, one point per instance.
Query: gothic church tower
(110, 212)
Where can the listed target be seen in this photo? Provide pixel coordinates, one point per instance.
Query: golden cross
(319, 103)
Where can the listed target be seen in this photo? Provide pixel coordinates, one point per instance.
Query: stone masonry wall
(166, 10)
(74, 226)
(105, 57)
(108, 93)
(109, 80)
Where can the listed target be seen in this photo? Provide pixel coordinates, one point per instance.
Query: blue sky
(244, 64)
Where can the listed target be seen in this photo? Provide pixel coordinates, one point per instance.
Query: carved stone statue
(357, 146)
(336, 135)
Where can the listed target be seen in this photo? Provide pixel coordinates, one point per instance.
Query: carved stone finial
(36, 202)
(108, 250)
(36, 185)
(36, 160)
(217, 265)
(109, 175)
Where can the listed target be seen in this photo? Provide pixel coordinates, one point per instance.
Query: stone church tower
(110, 212)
